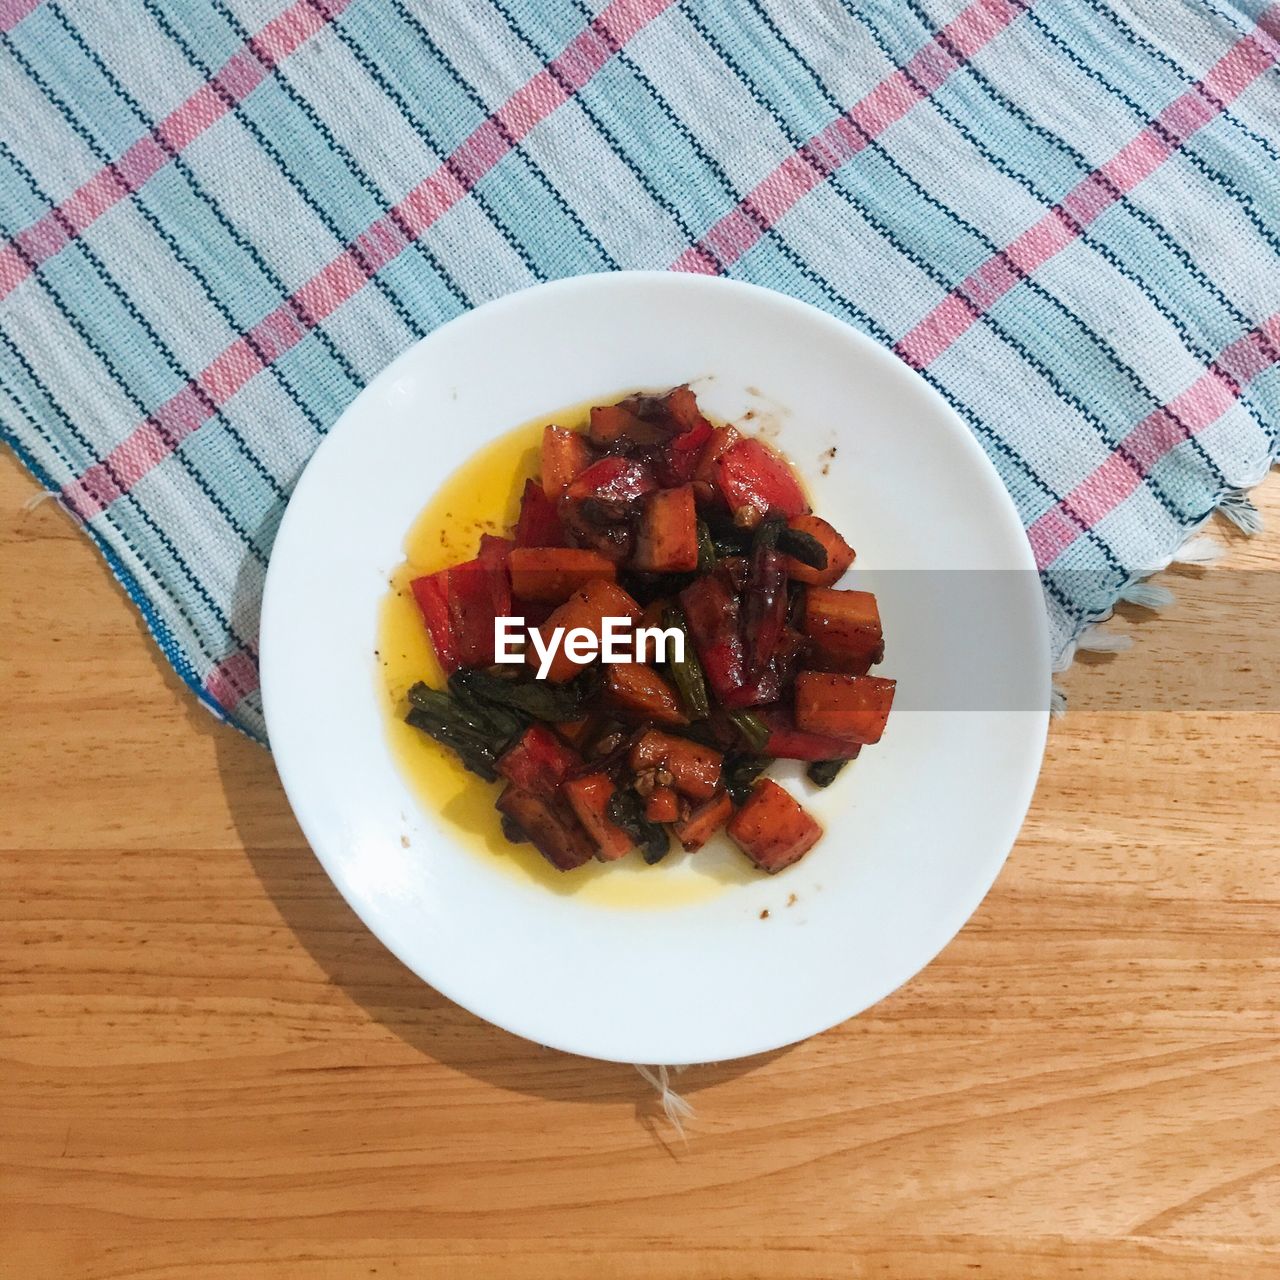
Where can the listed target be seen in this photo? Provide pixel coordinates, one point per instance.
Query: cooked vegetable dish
(655, 519)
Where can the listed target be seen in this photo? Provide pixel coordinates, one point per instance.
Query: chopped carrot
(853, 708)
(704, 821)
(839, 552)
(667, 539)
(587, 607)
(772, 829)
(553, 574)
(694, 769)
(538, 761)
(589, 798)
(638, 692)
(843, 629)
(663, 805)
(564, 455)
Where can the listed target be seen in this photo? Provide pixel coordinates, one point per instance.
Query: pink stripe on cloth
(1136, 161)
(12, 12)
(337, 282)
(1188, 413)
(735, 233)
(237, 78)
(232, 679)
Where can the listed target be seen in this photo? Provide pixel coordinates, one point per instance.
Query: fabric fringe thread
(676, 1108)
(1200, 550)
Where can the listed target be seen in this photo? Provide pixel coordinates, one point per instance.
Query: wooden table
(210, 1068)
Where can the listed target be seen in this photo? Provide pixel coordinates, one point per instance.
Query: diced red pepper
(432, 596)
(772, 828)
(667, 538)
(553, 574)
(711, 611)
(564, 455)
(786, 742)
(694, 768)
(843, 628)
(683, 452)
(539, 522)
(750, 474)
(589, 798)
(839, 552)
(538, 761)
(704, 821)
(478, 592)
(851, 707)
(614, 479)
(768, 686)
(549, 826)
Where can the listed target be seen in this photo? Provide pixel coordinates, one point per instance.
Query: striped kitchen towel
(220, 218)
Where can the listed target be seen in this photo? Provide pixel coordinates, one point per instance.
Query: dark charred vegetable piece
(740, 773)
(589, 797)
(432, 596)
(626, 810)
(633, 422)
(637, 692)
(822, 773)
(538, 762)
(495, 723)
(539, 521)
(646, 588)
(603, 526)
(475, 751)
(851, 707)
(553, 574)
(753, 730)
(772, 829)
(711, 613)
(803, 548)
(706, 549)
(564, 455)
(587, 607)
(614, 479)
(667, 534)
(686, 672)
(838, 553)
(684, 450)
(751, 475)
(764, 609)
(694, 768)
(786, 742)
(704, 821)
(536, 699)
(554, 830)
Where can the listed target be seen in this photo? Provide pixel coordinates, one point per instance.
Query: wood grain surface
(211, 1069)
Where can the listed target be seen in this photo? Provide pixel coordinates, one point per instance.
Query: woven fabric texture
(220, 218)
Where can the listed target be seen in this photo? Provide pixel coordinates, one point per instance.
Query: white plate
(917, 829)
